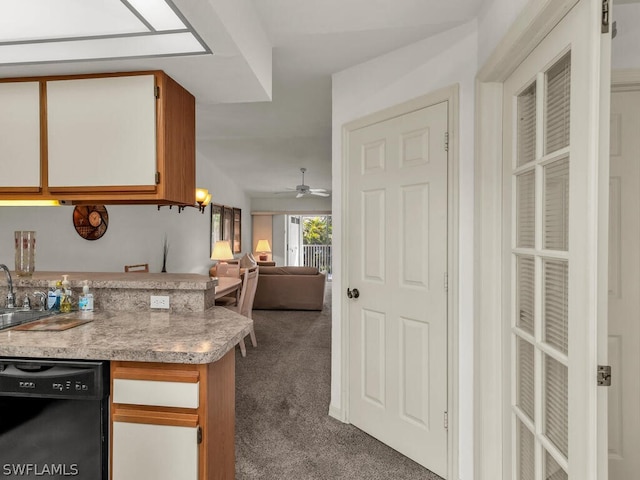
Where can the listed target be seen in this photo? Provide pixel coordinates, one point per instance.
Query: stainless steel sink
(12, 317)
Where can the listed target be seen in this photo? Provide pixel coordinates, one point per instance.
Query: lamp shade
(263, 246)
(221, 251)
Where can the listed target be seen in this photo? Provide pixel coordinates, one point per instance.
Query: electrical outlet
(160, 301)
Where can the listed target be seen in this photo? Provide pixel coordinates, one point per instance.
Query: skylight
(45, 31)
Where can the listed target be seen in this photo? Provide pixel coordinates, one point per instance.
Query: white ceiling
(260, 143)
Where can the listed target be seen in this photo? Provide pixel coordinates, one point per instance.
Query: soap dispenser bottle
(57, 293)
(86, 299)
(65, 300)
(51, 296)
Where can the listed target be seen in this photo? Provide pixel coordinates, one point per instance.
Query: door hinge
(157, 91)
(199, 434)
(605, 16)
(604, 375)
(446, 141)
(446, 420)
(446, 282)
(157, 178)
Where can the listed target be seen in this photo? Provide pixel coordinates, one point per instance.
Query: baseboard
(337, 413)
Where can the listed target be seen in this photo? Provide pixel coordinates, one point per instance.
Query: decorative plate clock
(90, 221)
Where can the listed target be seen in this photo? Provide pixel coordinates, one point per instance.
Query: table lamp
(222, 251)
(263, 248)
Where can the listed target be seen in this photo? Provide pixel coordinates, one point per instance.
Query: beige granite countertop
(195, 337)
(161, 281)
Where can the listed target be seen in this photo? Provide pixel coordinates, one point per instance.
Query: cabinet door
(154, 452)
(20, 134)
(102, 132)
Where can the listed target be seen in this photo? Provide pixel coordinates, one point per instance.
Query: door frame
(535, 21)
(450, 95)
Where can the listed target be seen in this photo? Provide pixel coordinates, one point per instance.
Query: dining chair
(228, 270)
(245, 304)
(139, 268)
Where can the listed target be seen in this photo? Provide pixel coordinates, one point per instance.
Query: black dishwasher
(54, 419)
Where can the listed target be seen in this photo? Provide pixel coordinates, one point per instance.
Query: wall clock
(90, 221)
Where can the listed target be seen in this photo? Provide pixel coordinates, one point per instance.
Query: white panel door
(20, 134)
(102, 131)
(398, 261)
(624, 287)
(553, 288)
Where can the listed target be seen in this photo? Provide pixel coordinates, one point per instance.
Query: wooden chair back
(248, 293)
(139, 268)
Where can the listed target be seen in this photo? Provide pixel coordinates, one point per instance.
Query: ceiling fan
(303, 189)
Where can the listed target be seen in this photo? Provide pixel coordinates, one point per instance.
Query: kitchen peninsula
(172, 372)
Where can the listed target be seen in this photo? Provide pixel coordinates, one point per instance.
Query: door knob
(353, 293)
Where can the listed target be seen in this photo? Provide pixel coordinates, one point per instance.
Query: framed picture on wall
(216, 225)
(227, 224)
(237, 230)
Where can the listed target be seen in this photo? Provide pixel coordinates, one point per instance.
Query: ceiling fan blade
(320, 194)
(317, 190)
(300, 195)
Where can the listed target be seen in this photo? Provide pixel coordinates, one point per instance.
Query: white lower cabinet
(154, 452)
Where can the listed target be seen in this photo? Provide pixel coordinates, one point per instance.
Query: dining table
(227, 285)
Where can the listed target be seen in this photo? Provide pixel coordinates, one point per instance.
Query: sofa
(289, 288)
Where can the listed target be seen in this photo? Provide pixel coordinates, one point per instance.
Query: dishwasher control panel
(55, 379)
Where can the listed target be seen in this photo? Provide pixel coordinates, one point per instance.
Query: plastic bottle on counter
(57, 293)
(51, 296)
(65, 301)
(85, 303)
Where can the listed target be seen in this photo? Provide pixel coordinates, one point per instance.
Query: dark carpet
(283, 430)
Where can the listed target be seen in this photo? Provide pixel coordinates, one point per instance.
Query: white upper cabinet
(102, 131)
(20, 134)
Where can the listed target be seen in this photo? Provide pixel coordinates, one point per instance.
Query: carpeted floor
(283, 431)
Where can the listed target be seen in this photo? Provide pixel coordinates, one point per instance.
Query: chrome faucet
(11, 297)
(43, 300)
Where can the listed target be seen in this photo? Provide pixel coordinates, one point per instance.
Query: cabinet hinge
(446, 141)
(199, 434)
(446, 282)
(157, 91)
(604, 375)
(446, 420)
(605, 16)
(157, 178)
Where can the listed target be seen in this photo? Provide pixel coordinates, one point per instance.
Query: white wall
(135, 233)
(279, 235)
(412, 71)
(625, 52)
(290, 204)
(494, 20)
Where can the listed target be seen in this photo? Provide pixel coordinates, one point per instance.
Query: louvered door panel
(540, 180)
(555, 404)
(526, 209)
(557, 121)
(555, 304)
(527, 125)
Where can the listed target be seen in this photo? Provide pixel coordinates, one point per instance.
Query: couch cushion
(288, 271)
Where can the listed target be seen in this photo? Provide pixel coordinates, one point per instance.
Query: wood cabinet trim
(171, 373)
(105, 189)
(155, 417)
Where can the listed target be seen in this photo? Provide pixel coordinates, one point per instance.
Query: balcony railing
(317, 256)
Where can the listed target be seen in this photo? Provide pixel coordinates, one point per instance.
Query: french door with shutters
(398, 261)
(552, 186)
